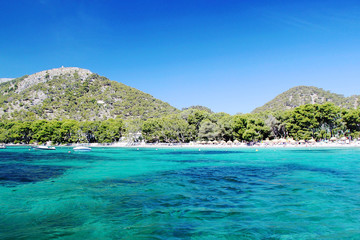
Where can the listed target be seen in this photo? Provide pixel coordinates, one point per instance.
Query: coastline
(186, 146)
(206, 146)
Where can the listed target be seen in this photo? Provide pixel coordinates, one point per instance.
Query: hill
(2, 80)
(75, 93)
(301, 95)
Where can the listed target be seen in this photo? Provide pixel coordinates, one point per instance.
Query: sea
(180, 193)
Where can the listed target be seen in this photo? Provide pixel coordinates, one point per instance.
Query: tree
(168, 129)
(249, 128)
(89, 129)
(224, 122)
(151, 130)
(199, 107)
(351, 120)
(314, 121)
(239, 126)
(68, 131)
(20, 132)
(209, 131)
(110, 131)
(195, 117)
(303, 122)
(275, 126)
(42, 131)
(329, 117)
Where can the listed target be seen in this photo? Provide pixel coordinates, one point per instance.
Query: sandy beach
(339, 144)
(240, 145)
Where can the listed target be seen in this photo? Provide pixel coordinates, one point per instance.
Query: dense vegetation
(318, 121)
(302, 95)
(67, 131)
(71, 97)
(71, 105)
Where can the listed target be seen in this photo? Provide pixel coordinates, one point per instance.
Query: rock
(44, 76)
(2, 80)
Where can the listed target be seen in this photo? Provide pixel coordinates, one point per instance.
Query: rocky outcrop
(44, 76)
(75, 93)
(2, 80)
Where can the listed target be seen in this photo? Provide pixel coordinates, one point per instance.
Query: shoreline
(244, 147)
(201, 146)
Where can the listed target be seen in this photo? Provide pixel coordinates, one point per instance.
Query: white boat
(82, 148)
(2, 146)
(45, 148)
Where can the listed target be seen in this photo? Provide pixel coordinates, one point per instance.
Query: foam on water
(180, 194)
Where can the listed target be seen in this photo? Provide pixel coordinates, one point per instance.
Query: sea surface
(119, 193)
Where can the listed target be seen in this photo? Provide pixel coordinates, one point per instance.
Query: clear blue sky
(231, 56)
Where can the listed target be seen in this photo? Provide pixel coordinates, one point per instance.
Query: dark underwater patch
(120, 181)
(226, 176)
(205, 152)
(14, 174)
(310, 150)
(45, 157)
(298, 167)
(231, 178)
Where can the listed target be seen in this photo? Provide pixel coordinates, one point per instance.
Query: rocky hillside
(307, 95)
(75, 93)
(2, 80)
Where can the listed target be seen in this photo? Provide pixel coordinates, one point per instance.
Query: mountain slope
(75, 93)
(2, 80)
(301, 95)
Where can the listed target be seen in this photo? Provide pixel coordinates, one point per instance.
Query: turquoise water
(114, 193)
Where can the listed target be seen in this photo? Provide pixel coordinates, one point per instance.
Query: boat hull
(44, 148)
(82, 149)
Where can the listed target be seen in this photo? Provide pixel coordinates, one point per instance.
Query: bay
(178, 193)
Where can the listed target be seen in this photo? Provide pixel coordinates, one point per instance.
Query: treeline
(67, 131)
(317, 121)
(194, 124)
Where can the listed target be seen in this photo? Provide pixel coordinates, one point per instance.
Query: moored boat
(44, 148)
(2, 146)
(82, 148)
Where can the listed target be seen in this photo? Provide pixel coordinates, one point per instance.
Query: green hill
(301, 95)
(75, 93)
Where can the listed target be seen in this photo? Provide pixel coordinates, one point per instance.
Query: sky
(230, 56)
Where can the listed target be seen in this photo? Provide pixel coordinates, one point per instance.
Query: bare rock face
(44, 76)
(75, 93)
(2, 80)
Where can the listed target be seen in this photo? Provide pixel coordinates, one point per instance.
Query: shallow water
(114, 193)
